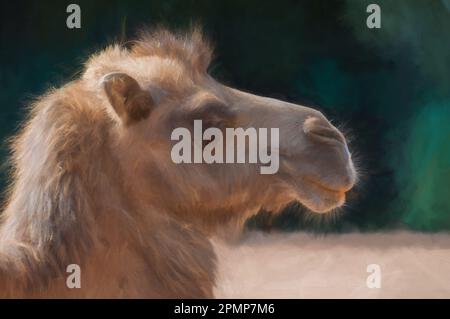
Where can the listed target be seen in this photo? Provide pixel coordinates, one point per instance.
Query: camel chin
(318, 198)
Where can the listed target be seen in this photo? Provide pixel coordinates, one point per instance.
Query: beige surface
(300, 265)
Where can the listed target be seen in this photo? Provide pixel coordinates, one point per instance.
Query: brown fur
(88, 190)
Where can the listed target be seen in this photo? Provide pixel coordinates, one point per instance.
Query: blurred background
(388, 88)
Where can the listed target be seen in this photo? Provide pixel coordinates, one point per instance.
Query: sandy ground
(302, 265)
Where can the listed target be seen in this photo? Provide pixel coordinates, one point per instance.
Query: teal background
(389, 87)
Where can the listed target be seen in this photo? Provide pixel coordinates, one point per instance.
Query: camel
(93, 184)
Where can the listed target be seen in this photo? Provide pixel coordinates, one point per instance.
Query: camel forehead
(161, 71)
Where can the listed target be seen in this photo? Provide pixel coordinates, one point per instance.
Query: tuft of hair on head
(191, 48)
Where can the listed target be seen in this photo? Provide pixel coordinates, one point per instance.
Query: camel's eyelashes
(129, 101)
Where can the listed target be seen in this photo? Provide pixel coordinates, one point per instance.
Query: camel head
(171, 129)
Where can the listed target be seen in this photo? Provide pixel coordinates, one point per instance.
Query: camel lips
(234, 145)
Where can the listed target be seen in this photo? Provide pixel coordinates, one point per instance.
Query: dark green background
(389, 87)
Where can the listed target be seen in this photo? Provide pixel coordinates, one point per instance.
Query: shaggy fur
(93, 184)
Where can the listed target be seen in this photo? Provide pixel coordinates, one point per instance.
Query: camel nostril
(322, 131)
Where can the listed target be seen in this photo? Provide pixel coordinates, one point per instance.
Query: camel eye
(213, 114)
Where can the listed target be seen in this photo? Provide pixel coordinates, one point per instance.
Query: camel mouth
(321, 198)
(324, 187)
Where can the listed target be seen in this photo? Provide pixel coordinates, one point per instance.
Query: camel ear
(128, 99)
